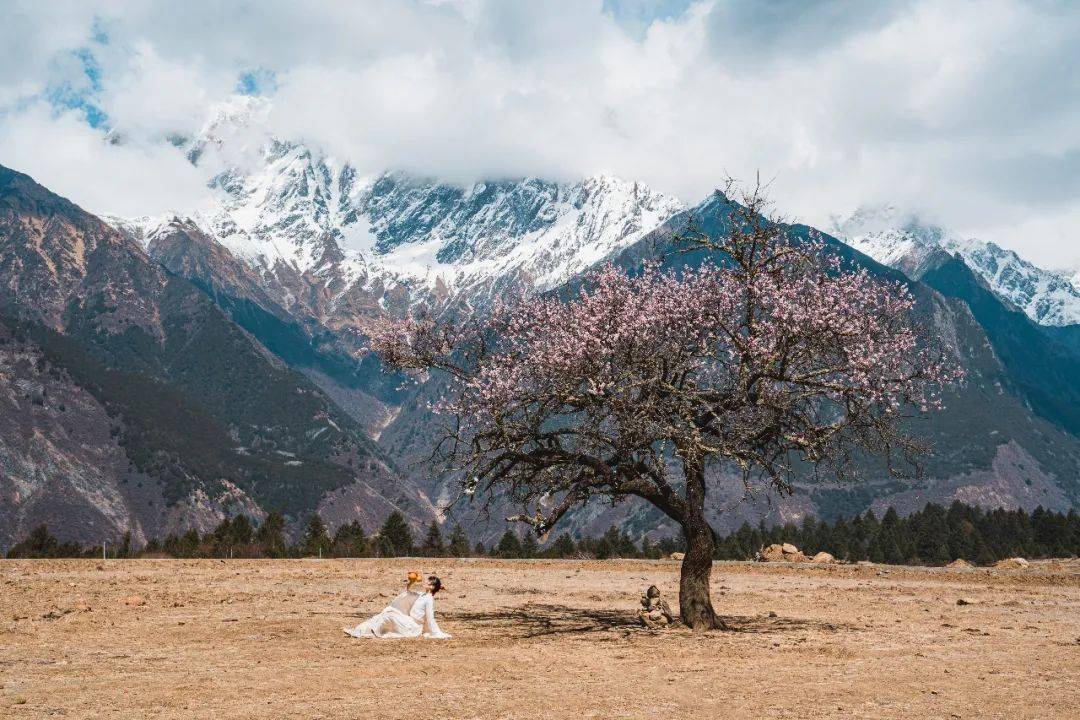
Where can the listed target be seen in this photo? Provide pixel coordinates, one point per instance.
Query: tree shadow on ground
(539, 620)
(766, 624)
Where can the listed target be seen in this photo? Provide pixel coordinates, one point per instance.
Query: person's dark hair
(653, 592)
(436, 582)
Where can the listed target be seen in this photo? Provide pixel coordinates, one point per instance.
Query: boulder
(773, 553)
(781, 553)
(1015, 563)
(823, 557)
(676, 556)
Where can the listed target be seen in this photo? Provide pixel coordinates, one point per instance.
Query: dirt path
(262, 639)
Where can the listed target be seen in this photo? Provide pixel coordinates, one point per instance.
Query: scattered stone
(677, 556)
(781, 553)
(1015, 563)
(772, 614)
(134, 600)
(823, 557)
(964, 601)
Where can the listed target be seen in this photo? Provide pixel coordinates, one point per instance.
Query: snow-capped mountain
(902, 241)
(330, 237)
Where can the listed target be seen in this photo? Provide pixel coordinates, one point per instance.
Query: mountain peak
(292, 212)
(903, 241)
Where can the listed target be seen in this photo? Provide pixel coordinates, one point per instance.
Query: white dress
(410, 615)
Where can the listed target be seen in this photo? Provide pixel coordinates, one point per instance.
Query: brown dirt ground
(535, 639)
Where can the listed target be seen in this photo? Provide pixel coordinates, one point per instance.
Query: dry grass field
(534, 639)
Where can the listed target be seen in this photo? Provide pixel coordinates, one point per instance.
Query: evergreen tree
(240, 531)
(529, 548)
(458, 545)
(838, 539)
(929, 535)
(270, 537)
(480, 550)
(563, 547)
(218, 539)
(808, 540)
(932, 535)
(350, 541)
(886, 546)
(395, 538)
(315, 541)
(869, 527)
(40, 543)
(651, 552)
(509, 546)
(190, 543)
(963, 535)
(433, 542)
(627, 548)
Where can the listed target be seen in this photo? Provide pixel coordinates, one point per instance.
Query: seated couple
(410, 614)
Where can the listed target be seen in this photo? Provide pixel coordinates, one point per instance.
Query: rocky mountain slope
(117, 373)
(220, 344)
(904, 242)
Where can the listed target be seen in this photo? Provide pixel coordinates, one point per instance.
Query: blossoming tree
(775, 353)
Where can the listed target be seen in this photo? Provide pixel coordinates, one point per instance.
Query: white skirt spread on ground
(409, 615)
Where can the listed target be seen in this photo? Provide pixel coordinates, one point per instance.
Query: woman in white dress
(411, 614)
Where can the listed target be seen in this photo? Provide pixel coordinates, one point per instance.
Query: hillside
(218, 317)
(202, 419)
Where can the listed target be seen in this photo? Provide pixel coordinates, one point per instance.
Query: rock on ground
(1012, 563)
(781, 553)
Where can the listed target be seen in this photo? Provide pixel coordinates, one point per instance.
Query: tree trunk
(695, 602)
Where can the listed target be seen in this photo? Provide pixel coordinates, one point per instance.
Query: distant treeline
(931, 536)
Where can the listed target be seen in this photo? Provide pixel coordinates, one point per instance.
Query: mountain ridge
(300, 251)
(903, 241)
(201, 415)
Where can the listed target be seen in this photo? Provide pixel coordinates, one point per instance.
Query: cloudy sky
(966, 113)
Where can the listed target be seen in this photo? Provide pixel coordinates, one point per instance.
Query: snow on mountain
(291, 212)
(903, 242)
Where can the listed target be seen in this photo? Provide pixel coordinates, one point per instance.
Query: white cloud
(966, 112)
(72, 159)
